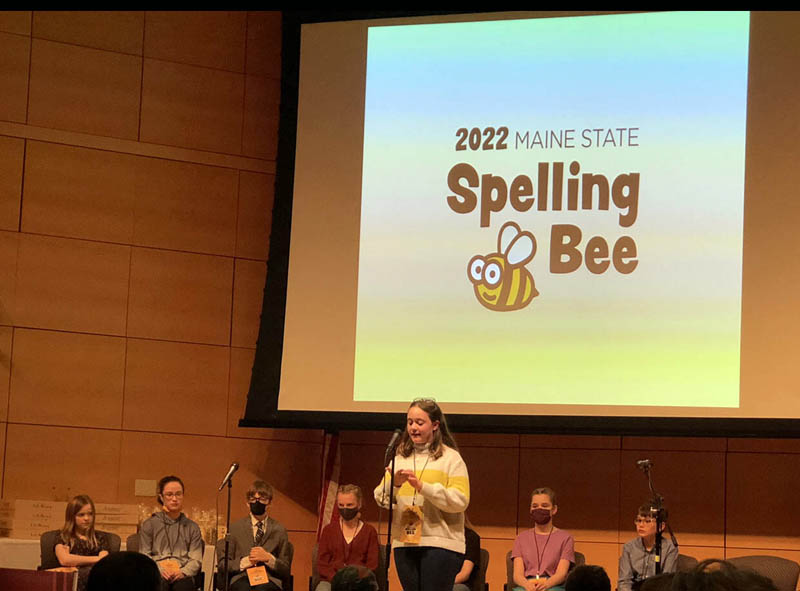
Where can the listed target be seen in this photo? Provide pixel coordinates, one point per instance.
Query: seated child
(543, 554)
(79, 545)
(637, 562)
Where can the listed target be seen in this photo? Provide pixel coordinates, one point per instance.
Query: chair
(685, 563)
(783, 572)
(132, 544)
(580, 558)
(479, 582)
(49, 539)
(381, 573)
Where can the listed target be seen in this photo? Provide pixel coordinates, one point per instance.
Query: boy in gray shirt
(637, 562)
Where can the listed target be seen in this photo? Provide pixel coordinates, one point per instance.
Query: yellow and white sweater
(444, 498)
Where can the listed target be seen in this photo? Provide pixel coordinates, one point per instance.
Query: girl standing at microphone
(431, 493)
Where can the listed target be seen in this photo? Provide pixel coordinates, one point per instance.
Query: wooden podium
(18, 579)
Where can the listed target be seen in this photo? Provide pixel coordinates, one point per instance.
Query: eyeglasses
(173, 495)
(643, 521)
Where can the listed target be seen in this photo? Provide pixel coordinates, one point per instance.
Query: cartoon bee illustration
(501, 281)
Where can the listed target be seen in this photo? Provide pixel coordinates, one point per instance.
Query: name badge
(257, 576)
(411, 525)
(169, 566)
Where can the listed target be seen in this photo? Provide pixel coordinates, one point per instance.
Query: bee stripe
(513, 292)
(528, 289)
(502, 296)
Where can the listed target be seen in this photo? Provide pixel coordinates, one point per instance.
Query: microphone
(231, 471)
(390, 447)
(644, 464)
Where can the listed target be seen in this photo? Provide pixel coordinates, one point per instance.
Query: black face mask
(348, 513)
(258, 508)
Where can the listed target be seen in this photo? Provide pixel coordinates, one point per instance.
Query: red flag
(331, 465)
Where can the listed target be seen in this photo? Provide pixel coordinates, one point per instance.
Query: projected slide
(552, 211)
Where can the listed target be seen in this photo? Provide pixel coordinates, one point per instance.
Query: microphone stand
(227, 537)
(658, 509)
(388, 557)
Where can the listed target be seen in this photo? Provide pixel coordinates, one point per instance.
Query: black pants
(427, 568)
(243, 584)
(184, 584)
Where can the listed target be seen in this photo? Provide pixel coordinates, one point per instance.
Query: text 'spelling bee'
(501, 281)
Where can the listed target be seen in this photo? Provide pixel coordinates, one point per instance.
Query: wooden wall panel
(241, 365)
(87, 90)
(588, 507)
(72, 285)
(602, 554)
(498, 548)
(485, 440)
(570, 441)
(116, 30)
(699, 552)
(57, 463)
(9, 246)
(248, 295)
(303, 543)
(264, 44)
(254, 220)
(199, 461)
(362, 465)
(182, 206)
(693, 485)
(180, 296)
(493, 488)
(6, 340)
(761, 507)
(293, 469)
(260, 133)
(68, 379)
(79, 193)
(176, 387)
(15, 54)
(96, 194)
(3, 431)
(11, 164)
(192, 107)
(214, 39)
(788, 554)
(764, 445)
(646, 444)
(15, 21)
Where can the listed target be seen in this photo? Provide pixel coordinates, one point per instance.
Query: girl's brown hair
(69, 534)
(546, 490)
(441, 436)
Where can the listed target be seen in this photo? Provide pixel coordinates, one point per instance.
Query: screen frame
(262, 398)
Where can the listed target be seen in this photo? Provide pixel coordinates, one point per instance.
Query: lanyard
(539, 557)
(414, 459)
(170, 544)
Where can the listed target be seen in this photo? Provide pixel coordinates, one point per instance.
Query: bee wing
(508, 232)
(521, 249)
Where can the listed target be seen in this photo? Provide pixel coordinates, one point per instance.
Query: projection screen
(547, 222)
